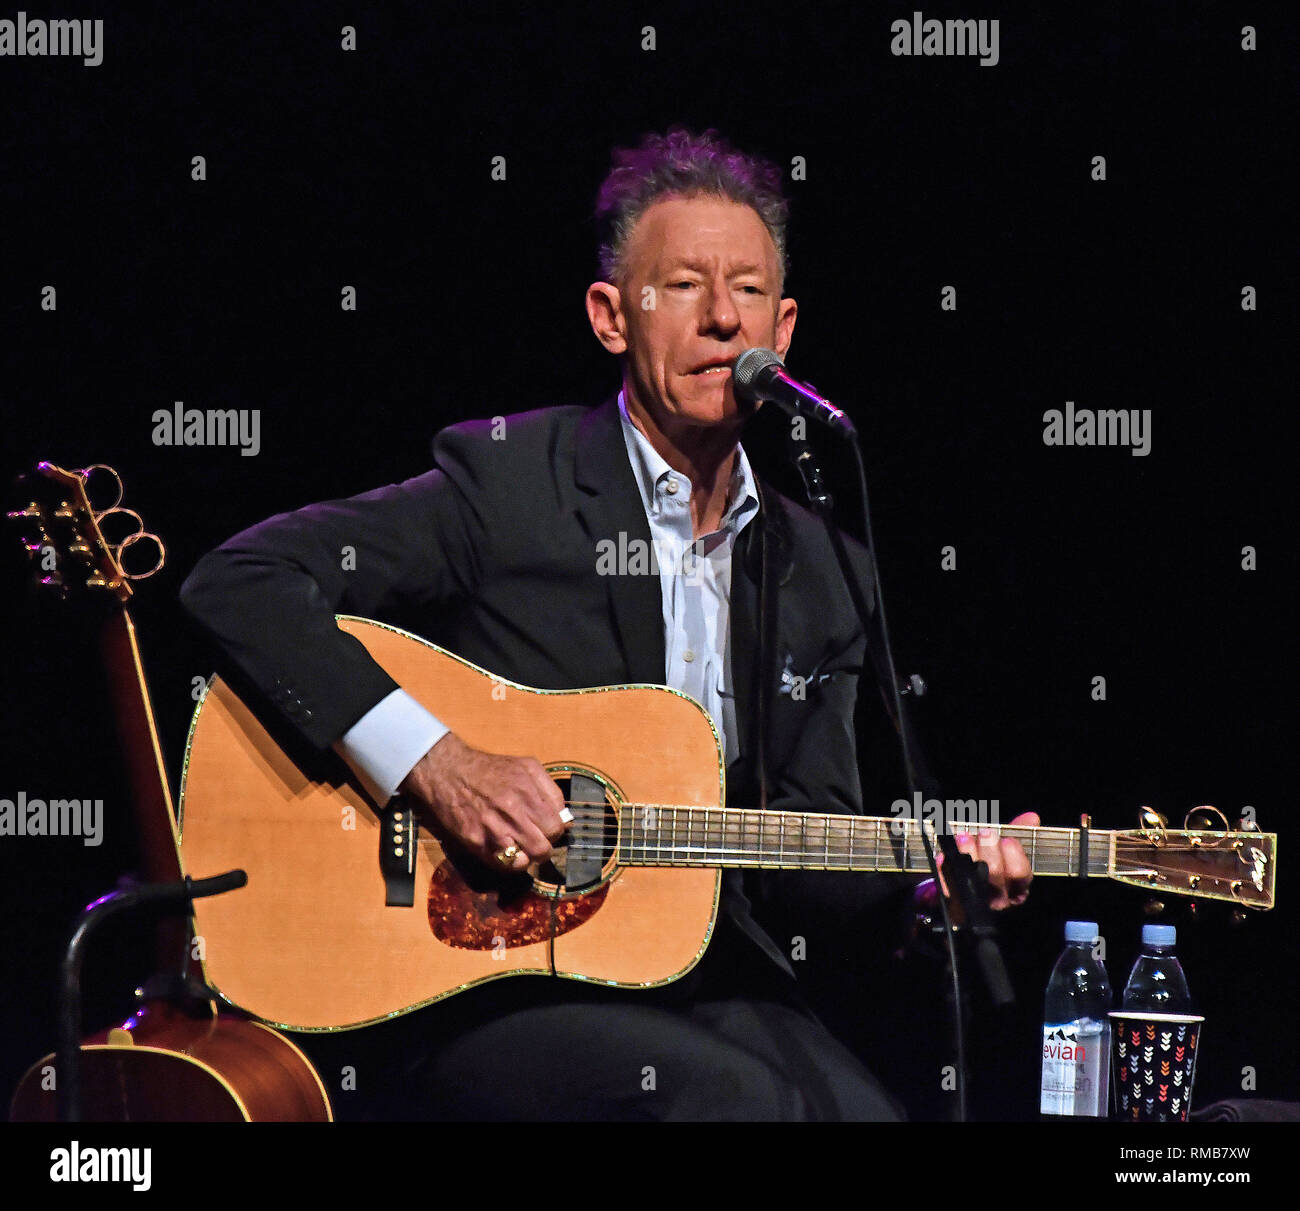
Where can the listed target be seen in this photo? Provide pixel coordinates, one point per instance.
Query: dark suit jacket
(492, 555)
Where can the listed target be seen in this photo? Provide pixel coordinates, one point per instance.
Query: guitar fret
(875, 853)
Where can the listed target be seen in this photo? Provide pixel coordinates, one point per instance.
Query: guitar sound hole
(580, 859)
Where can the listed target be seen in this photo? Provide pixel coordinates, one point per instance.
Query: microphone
(760, 375)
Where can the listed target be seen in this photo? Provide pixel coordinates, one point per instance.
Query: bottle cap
(1082, 931)
(1159, 935)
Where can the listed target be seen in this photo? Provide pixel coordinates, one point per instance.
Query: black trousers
(731, 1041)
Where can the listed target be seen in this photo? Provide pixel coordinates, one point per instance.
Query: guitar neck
(708, 836)
(155, 816)
(150, 791)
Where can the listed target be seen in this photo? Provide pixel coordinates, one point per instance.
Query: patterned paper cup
(1154, 1065)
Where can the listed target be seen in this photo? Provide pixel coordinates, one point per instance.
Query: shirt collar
(650, 471)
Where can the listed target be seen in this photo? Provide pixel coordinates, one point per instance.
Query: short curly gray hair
(680, 163)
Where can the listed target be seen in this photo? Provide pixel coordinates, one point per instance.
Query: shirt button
(688, 656)
(671, 486)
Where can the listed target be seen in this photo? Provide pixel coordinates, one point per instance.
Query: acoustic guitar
(354, 912)
(178, 1058)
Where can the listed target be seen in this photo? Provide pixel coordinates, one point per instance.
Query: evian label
(1076, 1068)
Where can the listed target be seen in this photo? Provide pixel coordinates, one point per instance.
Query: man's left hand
(1009, 871)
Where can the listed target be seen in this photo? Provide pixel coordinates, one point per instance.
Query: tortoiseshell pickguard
(473, 920)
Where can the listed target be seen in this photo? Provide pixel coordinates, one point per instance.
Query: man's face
(701, 286)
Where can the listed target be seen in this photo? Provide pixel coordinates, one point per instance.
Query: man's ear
(786, 313)
(605, 311)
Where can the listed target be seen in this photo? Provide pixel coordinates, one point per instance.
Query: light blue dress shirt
(386, 743)
(694, 576)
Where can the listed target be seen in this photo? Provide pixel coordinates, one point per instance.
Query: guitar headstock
(61, 531)
(1208, 859)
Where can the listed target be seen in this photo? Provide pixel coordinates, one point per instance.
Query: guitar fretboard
(668, 835)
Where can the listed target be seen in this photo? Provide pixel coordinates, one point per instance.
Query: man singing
(493, 555)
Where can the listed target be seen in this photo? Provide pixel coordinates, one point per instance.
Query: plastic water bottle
(1076, 1031)
(1157, 984)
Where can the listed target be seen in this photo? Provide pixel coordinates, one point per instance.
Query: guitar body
(169, 1067)
(311, 944)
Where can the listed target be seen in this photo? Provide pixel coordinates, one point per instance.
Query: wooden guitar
(177, 1059)
(355, 913)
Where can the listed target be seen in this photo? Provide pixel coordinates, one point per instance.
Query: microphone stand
(967, 880)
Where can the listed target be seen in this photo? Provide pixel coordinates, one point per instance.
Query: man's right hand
(488, 802)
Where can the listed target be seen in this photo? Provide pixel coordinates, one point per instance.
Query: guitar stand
(174, 896)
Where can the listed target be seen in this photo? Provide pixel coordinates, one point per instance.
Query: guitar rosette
(1154, 1065)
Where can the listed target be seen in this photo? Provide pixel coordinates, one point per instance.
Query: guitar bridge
(398, 833)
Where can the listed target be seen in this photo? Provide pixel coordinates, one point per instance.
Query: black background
(372, 169)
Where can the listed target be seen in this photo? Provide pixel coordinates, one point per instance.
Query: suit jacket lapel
(745, 563)
(746, 647)
(609, 507)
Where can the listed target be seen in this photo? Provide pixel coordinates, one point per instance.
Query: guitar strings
(592, 820)
(594, 826)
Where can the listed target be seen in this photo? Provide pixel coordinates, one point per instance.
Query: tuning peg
(1153, 908)
(1247, 824)
(1152, 819)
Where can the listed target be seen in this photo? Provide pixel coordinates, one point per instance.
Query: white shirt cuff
(387, 742)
